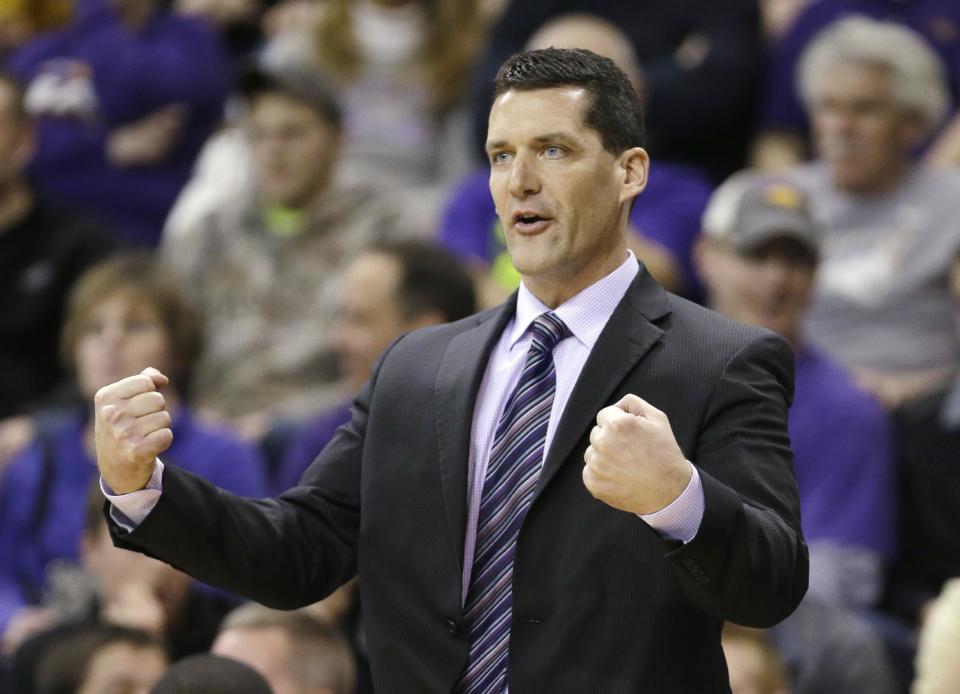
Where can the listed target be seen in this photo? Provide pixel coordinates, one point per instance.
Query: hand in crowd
(15, 434)
(892, 390)
(132, 427)
(220, 12)
(633, 462)
(148, 140)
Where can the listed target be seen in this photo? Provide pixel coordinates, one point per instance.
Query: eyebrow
(547, 137)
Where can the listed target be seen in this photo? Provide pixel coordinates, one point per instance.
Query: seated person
(664, 220)
(882, 307)
(388, 290)
(124, 314)
(259, 264)
(758, 256)
(119, 587)
(102, 659)
(125, 96)
(295, 651)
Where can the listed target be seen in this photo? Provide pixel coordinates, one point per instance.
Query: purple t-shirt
(938, 21)
(29, 541)
(95, 75)
(668, 213)
(844, 458)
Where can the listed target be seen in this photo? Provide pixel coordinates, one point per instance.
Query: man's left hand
(633, 462)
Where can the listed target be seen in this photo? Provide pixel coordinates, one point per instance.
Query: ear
(635, 165)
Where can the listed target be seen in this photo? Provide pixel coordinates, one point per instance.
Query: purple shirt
(28, 543)
(96, 75)
(668, 213)
(938, 21)
(844, 459)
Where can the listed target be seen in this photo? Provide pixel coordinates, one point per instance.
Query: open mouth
(530, 222)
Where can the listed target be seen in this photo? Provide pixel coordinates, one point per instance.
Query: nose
(524, 180)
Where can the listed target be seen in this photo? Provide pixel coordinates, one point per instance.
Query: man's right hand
(132, 428)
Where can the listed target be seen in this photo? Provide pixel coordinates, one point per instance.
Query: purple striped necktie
(512, 472)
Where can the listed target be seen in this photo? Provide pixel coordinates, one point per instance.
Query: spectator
(211, 674)
(115, 586)
(700, 67)
(103, 659)
(125, 96)
(258, 265)
(296, 652)
(664, 220)
(388, 290)
(43, 249)
(123, 315)
(758, 256)
(882, 306)
(784, 125)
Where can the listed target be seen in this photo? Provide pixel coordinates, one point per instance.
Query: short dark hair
(66, 663)
(432, 279)
(614, 111)
(206, 673)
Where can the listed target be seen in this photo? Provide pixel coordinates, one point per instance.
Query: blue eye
(500, 157)
(553, 152)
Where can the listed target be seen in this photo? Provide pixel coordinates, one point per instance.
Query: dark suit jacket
(601, 602)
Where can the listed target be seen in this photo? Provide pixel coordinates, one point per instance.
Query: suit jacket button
(452, 627)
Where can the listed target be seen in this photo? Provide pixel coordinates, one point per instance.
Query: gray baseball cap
(751, 209)
(301, 84)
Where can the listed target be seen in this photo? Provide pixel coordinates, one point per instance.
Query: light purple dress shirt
(585, 314)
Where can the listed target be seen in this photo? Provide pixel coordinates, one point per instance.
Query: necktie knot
(548, 330)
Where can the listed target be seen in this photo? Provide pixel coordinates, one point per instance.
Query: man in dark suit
(490, 556)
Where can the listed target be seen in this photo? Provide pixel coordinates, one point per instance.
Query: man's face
(769, 286)
(370, 316)
(559, 194)
(266, 650)
(124, 668)
(122, 336)
(861, 133)
(294, 149)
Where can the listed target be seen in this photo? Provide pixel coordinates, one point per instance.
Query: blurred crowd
(258, 196)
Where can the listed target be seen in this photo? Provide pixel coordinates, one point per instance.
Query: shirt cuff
(680, 519)
(129, 510)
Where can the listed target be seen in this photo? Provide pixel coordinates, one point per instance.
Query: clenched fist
(633, 462)
(132, 427)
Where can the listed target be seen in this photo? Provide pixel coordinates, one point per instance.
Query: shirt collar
(585, 313)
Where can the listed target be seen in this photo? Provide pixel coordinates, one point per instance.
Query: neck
(554, 290)
(15, 203)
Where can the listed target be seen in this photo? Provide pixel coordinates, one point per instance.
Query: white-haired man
(882, 306)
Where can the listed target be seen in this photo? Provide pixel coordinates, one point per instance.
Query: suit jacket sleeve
(748, 562)
(284, 552)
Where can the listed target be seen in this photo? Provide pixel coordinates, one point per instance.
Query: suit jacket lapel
(457, 385)
(627, 337)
